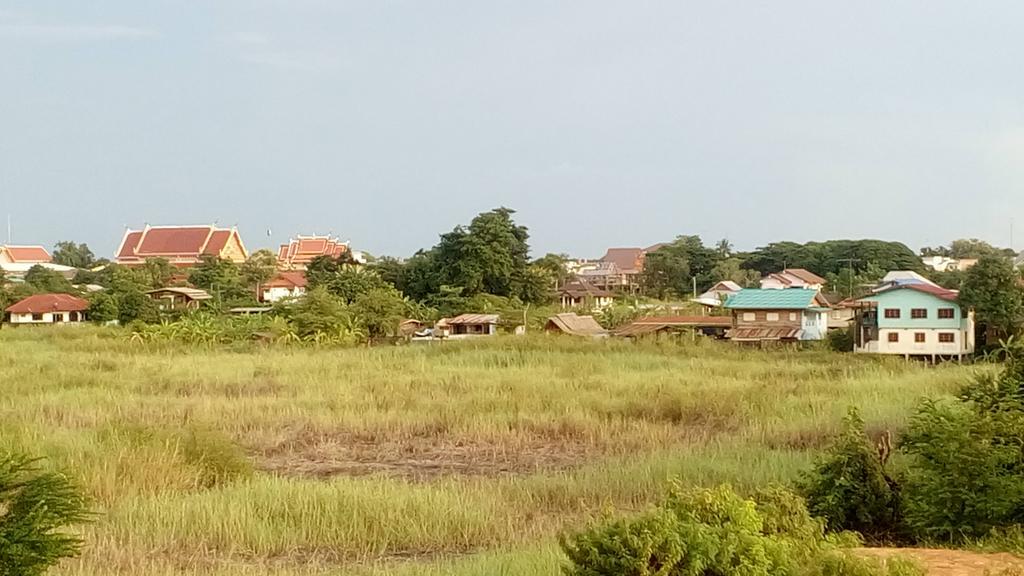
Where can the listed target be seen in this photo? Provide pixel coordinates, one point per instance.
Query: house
(618, 269)
(47, 309)
(656, 326)
(793, 278)
(583, 295)
(16, 261)
(178, 298)
(768, 314)
(182, 246)
(947, 264)
(842, 314)
(467, 325)
(716, 296)
(914, 319)
(574, 325)
(286, 284)
(410, 327)
(301, 250)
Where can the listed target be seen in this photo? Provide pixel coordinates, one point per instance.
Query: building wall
(963, 342)
(905, 301)
(767, 318)
(815, 324)
(47, 318)
(280, 293)
(906, 326)
(233, 250)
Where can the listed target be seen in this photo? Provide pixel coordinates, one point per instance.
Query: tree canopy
(992, 288)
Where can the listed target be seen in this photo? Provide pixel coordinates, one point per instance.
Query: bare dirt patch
(313, 454)
(940, 562)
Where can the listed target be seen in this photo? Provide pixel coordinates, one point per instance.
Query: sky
(389, 122)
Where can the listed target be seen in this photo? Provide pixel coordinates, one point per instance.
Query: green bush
(715, 532)
(35, 509)
(966, 469)
(849, 487)
(840, 340)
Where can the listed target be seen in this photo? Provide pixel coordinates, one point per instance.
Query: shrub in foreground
(966, 476)
(35, 509)
(715, 532)
(850, 489)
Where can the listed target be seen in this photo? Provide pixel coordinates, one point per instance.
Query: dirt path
(952, 562)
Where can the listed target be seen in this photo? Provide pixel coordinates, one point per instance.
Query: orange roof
(174, 243)
(41, 303)
(26, 254)
(301, 250)
(287, 280)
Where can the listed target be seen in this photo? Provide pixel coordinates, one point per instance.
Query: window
(892, 312)
(919, 337)
(773, 317)
(58, 317)
(947, 337)
(894, 336)
(947, 313)
(792, 316)
(748, 316)
(37, 317)
(918, 313)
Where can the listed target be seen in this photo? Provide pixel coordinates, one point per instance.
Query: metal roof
(192, 293)
(758, 334)
(769, 299)
(474, 319)
(571, 323)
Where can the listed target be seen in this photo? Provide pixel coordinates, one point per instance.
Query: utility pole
(849, 262)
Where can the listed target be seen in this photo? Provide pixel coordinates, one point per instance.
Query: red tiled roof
(303, 249)
(287, 280)
(131, 240)
(628, 260)
(27, 254)
(218, 240)
(41, 303)
(173, 242)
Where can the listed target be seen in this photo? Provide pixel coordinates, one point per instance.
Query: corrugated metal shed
(757, 334)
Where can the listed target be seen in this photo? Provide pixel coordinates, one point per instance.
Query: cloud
(258, 49)
(65, 33)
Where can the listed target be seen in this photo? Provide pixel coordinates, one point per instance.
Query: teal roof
(762, 299)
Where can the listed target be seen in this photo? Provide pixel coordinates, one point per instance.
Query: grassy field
(465, 458)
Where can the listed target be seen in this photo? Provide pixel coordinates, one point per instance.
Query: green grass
(465, 458)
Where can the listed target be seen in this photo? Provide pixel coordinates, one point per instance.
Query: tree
(831, 257)
(671, 269)
(380, 310)
(992, 288)
(259, 268)
(724, 248)
(44, 280)
(732, 269)
(221, 278)
(488, 256)
(555, 266)
(157, 272)
(68, 253)
(36, 508)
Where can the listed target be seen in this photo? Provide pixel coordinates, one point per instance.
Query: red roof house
(301, 250)
(287, 284)
(47, 309)
(24, 255)
(180, 245)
